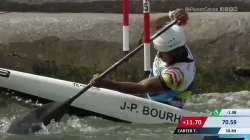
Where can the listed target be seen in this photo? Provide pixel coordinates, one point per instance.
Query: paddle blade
(33, 121)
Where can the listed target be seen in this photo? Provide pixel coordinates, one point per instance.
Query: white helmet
(171, 39)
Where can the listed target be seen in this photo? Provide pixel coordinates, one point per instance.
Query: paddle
(32, 122)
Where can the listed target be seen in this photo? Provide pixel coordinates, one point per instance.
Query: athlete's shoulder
(173, 77)
(178, 76)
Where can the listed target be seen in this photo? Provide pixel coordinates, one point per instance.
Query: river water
(93, 128)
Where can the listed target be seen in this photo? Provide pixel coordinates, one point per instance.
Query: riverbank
(75, 46)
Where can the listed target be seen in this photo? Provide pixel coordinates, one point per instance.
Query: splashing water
(96, 128)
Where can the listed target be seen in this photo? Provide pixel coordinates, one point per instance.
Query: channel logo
(228, 9)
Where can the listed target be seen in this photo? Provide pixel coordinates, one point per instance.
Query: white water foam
(92, 127)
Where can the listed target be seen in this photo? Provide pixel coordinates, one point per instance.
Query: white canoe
(100, 102)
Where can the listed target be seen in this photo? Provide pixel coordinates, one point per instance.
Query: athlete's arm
(159, 22)
(152, 84)
(170, 79)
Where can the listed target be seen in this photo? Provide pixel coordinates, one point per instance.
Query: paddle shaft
(122, 60)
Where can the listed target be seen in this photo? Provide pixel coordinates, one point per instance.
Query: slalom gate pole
(125, 25)
(146, 31)
(146, 37)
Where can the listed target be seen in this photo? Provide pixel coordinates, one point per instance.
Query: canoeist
(173, 71)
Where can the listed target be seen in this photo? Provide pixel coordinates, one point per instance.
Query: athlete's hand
(97, 81)
(181, 16)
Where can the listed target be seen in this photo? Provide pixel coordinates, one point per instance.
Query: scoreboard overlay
(230, 112)
(229, 124)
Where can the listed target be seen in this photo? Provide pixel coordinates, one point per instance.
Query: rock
(243, 71)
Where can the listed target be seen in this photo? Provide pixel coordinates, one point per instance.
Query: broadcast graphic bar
(212, 130)
(213, 125)
(211, 122)
(219, 138)
(231, 112)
